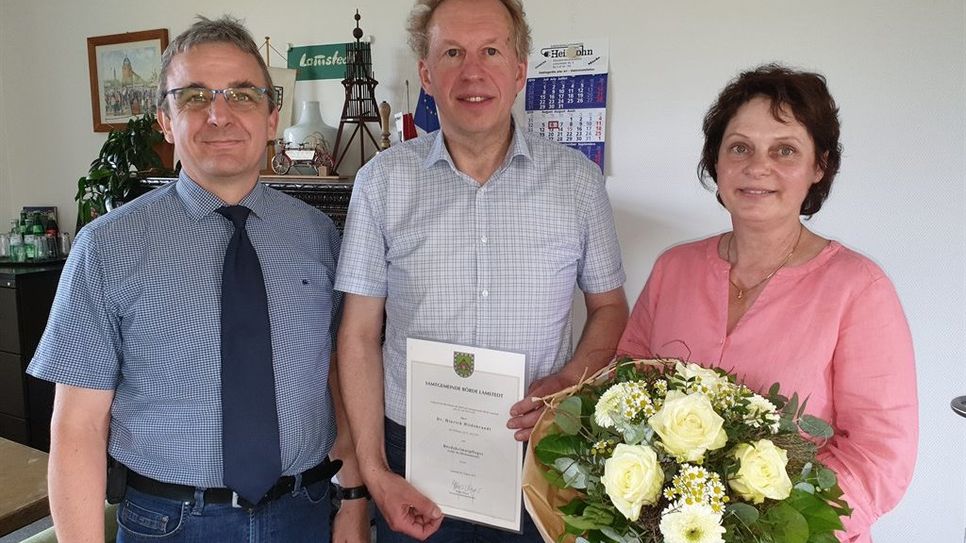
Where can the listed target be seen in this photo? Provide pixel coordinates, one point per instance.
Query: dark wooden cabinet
(331, 196)
(26, 403)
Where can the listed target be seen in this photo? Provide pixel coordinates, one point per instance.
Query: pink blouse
(831, 330)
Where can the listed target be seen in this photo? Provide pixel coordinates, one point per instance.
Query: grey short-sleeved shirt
(138, 311)
(493, 266)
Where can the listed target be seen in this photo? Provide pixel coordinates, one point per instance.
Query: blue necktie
(250, 448)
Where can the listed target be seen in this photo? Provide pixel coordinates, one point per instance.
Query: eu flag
(425, 115)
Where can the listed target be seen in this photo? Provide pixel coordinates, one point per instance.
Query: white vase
(310, 128)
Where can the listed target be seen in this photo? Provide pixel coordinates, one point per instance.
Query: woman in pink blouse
(775, 302)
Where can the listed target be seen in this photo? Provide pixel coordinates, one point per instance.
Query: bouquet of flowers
(662, 451)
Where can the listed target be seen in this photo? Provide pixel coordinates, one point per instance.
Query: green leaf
(613, 534)
(774, 393)
(792, 406)
(567, 416)
(601, 515)
(816, 427)
(574, 474)
(746, 513)
(572, 529)
(787, 425)
(833, 492)
(819, 515)
(626, 371)
(806, 487)
(826, 537)
(581, 523)
(801, 409)
(574, 507)
(556, 446)
(826, 478)
(786, 524)
(636, 433)
(554, 478)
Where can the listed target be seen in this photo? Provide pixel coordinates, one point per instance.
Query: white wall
(897, 70)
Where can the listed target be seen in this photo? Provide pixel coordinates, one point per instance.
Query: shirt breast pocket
(405, 246)
(303, 300)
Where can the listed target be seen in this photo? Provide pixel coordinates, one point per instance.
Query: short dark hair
(805, 95)
(226, 29)
(422, 12)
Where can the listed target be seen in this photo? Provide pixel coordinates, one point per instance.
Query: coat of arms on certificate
(463, 363)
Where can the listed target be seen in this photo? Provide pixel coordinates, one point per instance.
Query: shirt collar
(518, 147)
(200, 203)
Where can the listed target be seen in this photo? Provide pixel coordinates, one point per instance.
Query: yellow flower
(762, 472)
(688, 426)
(632, 478)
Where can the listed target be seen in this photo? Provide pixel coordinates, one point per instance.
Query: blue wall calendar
(566, 98)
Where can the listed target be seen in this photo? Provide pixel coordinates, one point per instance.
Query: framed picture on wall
(124, 72)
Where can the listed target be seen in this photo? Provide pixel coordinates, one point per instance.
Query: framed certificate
(459, 452)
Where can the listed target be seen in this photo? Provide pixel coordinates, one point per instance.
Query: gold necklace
(742, 291)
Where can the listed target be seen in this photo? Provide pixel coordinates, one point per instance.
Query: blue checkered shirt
(138, 311)
(492, 265)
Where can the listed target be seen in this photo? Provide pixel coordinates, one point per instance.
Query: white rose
(688, 426)
(632, 478)
(762, 472)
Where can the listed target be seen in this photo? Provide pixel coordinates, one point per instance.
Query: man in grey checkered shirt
(476, 234)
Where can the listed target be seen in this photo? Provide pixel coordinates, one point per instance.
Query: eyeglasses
(198, 98)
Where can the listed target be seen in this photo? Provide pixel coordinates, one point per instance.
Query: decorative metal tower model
(360, 98)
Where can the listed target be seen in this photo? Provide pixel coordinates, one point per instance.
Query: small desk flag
(426, 116)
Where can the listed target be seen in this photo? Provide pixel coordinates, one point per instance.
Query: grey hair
(422, 12)
(226, 29)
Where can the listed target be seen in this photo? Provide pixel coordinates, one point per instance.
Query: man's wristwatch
(351, 493)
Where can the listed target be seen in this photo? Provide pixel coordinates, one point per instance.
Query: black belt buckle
(322, 472)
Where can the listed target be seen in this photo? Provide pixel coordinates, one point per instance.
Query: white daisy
(691, 524)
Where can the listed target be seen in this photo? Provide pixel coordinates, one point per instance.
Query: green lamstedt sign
(318, 61)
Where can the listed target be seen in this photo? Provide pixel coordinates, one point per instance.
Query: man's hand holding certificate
(459, 451)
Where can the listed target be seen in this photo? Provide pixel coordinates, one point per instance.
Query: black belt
(284, 485)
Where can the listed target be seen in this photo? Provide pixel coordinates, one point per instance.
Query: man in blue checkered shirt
(476, 234)
(133, 340)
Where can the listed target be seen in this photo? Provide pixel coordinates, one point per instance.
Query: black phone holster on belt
(116, 480)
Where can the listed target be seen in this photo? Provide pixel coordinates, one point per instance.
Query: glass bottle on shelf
(40, 241)
(29, 241)
(16, 250)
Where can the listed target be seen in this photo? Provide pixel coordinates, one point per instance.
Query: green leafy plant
(114, 177)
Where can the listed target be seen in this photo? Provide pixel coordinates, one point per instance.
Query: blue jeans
(452, 530)
(301, 516)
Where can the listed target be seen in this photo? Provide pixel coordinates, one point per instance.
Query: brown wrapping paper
(540, 498)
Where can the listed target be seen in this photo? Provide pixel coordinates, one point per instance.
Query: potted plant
(114, 177)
